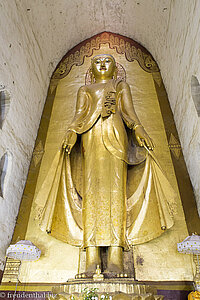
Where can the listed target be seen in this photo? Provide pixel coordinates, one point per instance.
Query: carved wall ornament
(174, 146)
(123, 45)
(38, 153)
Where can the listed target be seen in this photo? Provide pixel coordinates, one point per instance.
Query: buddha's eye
(107, 60)
(97, 62)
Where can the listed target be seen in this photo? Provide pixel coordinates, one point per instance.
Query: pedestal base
(116, 289)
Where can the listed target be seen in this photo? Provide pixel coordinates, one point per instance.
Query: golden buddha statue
(100, 140)
(98, 276)
(101, 109)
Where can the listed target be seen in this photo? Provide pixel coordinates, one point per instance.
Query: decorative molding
(38, 153)
(175, 146)
(11, 270)
(123, 45)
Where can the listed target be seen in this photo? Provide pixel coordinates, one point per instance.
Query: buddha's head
(103, 67)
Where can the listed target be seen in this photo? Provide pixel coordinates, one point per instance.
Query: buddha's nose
(103, 64)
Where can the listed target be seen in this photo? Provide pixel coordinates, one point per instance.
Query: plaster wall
(182, 53)
(35, 35)
(22, 75)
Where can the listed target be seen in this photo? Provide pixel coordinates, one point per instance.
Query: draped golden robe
(102, 215)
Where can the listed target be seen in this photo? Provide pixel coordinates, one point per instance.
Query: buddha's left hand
(143, 138)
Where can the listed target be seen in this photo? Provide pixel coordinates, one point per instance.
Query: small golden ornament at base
(122, 275)
(194, 295)
(98, 276)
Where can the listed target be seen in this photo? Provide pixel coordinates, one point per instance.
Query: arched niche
(5, 168)
(195, 90)
(152, 106)
(4, 105)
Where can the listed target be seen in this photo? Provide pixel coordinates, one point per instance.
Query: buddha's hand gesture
(142, 137)
(69, 141)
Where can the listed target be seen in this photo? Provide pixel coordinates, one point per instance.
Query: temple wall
(22, 75)
(36, 34)
(178, 63)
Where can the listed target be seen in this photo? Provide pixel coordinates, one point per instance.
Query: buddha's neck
(99, 80)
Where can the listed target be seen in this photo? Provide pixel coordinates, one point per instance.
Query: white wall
(181, 60)
(36, 34)
(23, 76)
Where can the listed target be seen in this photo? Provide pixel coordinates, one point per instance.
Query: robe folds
(89, 207)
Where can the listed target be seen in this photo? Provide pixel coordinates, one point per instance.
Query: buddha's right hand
(69, 141)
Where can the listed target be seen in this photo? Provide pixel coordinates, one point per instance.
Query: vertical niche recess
(4, 106)
(195, 90)
(5, 168)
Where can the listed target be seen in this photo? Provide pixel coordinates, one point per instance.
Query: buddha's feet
(92, 259)
(115, 260)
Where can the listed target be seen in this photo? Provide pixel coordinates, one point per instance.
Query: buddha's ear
(92, 79)
(115, 73)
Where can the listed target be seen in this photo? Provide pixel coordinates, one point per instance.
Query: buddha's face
(103, 67)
